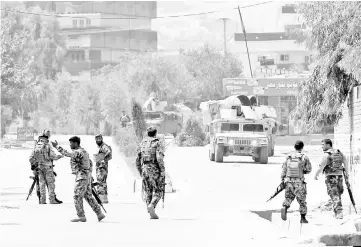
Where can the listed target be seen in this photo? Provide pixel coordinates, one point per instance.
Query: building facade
(272, 51)
(98, 33)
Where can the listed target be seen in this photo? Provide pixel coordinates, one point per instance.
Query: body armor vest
(336, 161)
(41, 152)
(295, 166)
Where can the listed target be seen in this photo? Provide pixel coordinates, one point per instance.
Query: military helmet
(45, 132)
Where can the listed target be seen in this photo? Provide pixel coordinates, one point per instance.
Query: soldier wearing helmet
(151, 168)
(102, 158)
(45, 171)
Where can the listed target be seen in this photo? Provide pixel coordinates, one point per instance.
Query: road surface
(213, 204)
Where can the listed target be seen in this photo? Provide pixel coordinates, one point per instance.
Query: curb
(345, 239)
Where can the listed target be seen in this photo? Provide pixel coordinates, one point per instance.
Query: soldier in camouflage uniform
(150, 166)
(46, 132)
(101, 163)
(41, 160)
(80, 167)
(293, 169)
(331, 166)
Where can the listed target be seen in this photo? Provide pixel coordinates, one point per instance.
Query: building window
(75, 23)
(260, 58)
(307, 59)
(81, 23)
(285, 58)
(88, 22)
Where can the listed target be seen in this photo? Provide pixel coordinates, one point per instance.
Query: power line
(127, 18)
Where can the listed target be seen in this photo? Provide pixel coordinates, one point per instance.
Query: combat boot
(100, 216)
(303, 219)
(152, 213)
(339, 215)
(80, 219)
(57, 200)
(284, 213)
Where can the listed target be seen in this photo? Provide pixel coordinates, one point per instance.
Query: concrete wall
(348, 139)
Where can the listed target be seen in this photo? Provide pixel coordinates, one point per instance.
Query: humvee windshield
(229, 127)
(253, 127)
(152, 115)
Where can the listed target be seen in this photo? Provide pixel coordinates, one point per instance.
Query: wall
(348, 131)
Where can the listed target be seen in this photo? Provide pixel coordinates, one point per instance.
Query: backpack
(295, 166)
(336, 161)
(148, 149)
(41, 154)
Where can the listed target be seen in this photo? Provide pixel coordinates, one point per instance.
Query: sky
(188, 32)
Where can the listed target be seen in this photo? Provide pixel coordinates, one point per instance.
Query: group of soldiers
(149, 163)
(297, 164)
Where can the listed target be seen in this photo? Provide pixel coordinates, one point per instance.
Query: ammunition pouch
(149, 159)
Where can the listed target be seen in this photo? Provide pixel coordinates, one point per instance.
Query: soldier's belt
(149, 159)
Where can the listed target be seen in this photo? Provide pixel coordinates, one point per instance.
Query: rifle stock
(95, 194)
(349, 189)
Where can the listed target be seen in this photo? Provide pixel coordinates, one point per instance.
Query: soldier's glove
(35, 172)
(33, 167)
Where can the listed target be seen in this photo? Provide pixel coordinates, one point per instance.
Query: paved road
(212, 205)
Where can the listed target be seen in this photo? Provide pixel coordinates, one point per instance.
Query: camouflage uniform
(44, 169)
(152, 170)
(104, 152)
(296, 186)
(80, 166)
(333, 180)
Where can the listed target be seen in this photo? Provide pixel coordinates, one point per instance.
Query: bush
(127, 141)
(192, 135)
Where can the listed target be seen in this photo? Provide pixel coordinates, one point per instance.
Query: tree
(334, 31)
(208, 66)
(86, 106)
(31, 51)
(139, 124)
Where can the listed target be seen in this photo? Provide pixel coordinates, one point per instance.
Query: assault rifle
(349, 189)
(279, 189)
(36, 181)
(95, 194)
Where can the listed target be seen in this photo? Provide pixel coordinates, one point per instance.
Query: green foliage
(127, 141)
(192, 135)
(86, 106)
(334, 30)
(139, 125)
(31, 52)
(207, 67)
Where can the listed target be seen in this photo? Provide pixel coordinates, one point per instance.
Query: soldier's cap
(99, 135)
(299, 142)
(151, 129)
(43, 137)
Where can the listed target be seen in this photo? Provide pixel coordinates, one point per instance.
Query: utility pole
(225, 33)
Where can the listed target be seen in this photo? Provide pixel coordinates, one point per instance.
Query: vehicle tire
(272, 151)
(219, 153)
(211, 155)
(264, 155)
(269, 151)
